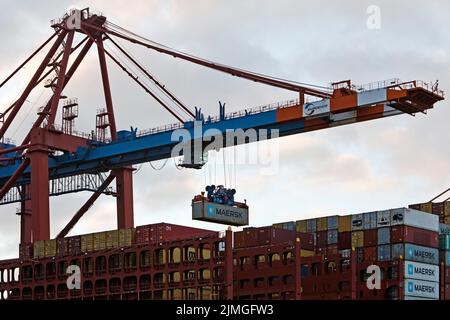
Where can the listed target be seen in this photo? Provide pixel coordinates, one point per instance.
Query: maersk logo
(410, 287)
(410, 269)
(210, 211)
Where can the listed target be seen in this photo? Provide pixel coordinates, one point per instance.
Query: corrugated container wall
(384, 252)
(357, 222)
(444, 242)
(322, 224)
(357, 239)
(383, 218)
(384, 235)
(311, 225)
(345, 223)
(414, 218)
(416, 253)
(332, 237)
(370, 220)
(301, 226)
(333, 222)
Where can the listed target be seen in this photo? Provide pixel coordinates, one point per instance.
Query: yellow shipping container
(447, 220)
(112, 239)
(322, 224)
(100, 241)
(87, 243)
(177, 294)
(39, 249)
(426, 207)
(160, 256)
(447, 208)
(206, 254)
(50, 248)
(126, 237)
(301, 226)
(176, 255)
(306, 253)
(278, 225)
(345, 223)
(357, 239)
(206, 293)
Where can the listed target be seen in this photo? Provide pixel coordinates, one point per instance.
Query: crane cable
(129, 33)
(160, 168)
(130, 69)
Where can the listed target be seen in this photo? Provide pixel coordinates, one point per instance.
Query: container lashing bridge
(54, 159)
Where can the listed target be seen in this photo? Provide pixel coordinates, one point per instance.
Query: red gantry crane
(54, 159)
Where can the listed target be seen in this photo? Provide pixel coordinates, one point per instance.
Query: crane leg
(40, 206)
(124, 186)
(25, 218)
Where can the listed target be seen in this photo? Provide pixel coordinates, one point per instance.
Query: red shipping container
(322, 239)
(168, 232)
(370, 237)
(74, 245)
(344, 240)
(415, 236)
(438, 209)
(62, 247)
(447, 275)
(415, 206)
(447, 292)
(370, 254)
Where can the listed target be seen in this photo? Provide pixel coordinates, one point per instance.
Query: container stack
(444, 247)
(441, 209)
(403, 242)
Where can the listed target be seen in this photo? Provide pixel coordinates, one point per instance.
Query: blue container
(289, 225)
(333, 222)
(370, 220)
(384, 252)
(416, 253)
(384, 235)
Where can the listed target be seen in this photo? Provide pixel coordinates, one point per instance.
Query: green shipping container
(112, 239)
(39, 249)
(444, 241)
(301, 226)
(322, 224)
(126, 237)
(100, 241)
(50, 248)
(87, 243)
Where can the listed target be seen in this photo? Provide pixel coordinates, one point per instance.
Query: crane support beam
(85, 207)
(61, 79)
(124, 186)
(40, 204)
(31, 84)
(106, 88)
(69, 75)
(289, 118)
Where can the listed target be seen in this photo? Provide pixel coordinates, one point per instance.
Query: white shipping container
(421, 271)
(383, 218)
(422, 289)
(357, 222)
(415, 218)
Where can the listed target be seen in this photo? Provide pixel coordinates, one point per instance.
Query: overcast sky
(369, 166)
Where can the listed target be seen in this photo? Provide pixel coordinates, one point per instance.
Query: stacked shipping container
(405, 235)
